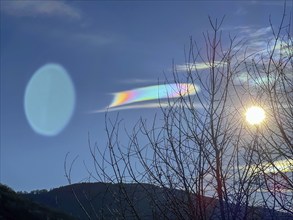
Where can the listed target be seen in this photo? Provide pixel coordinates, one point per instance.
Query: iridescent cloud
(284, 166)
(155, 92)
(199, 66)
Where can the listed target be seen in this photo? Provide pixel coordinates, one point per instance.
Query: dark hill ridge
(14, 207)
(102, 200)
(134, 201)
(108, 201)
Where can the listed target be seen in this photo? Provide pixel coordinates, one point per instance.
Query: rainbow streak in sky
(153, 92)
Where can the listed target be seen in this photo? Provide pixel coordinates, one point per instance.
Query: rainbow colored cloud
(155, 96)
(155, 92)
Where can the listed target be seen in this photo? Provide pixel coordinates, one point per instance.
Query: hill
(13, 207)
(102, 200)
(136, 201)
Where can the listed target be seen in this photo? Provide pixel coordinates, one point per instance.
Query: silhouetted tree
(202, 145)
(272, 73)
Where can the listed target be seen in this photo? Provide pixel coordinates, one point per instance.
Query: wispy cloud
(68, 37)
(254, 39)
(272, 3)
(138, 81)
(285, 165)
(146, 106)
(59, 9)
(260, 79)
(127, 107)
(198, 66)
(258, 43)
(240, 11)
(248, 31)
(40, 8)
(261, 32)
(261, 43)
(285, 47)
(247, 78)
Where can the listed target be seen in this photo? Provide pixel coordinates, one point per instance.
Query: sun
(255, 115)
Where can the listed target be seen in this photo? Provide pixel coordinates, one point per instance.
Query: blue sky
(106, 47)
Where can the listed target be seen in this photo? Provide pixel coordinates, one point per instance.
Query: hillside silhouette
(132, 201)
(14, 207)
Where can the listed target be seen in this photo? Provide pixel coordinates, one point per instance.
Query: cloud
(248, 31)
(240, 11)
(76, 37)
(40, 8)
(258, 43)
(272, 3)
(247, 78)
(58, 9)
(286, 48)
(198, 66)
(136, 106)
(163, 95)
(155, 92)
(146, 106)
(138, 81)
(261, 79)
(261, 32)
(285, 165)
(254, 39)
(261, 43)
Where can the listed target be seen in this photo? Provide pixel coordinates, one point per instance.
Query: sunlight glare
(255, 115)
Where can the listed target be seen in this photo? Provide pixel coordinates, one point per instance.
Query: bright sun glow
(255, 115)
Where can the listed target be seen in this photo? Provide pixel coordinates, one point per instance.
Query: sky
(93, 56)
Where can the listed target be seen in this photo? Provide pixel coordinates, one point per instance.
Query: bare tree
(272, 72)
(200, 157)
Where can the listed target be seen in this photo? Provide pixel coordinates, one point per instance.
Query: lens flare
(153, 92)
(49, 100)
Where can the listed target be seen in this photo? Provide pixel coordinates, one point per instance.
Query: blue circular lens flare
(49, 100)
